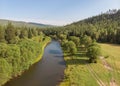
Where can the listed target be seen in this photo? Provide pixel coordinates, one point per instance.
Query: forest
(19, 49)
(20, 46)
(102, 28)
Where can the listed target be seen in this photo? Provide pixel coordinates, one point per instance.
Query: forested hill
(111, 15)
(103, 28)
(22, 23)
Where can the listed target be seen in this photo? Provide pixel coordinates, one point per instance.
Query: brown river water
(49, 71)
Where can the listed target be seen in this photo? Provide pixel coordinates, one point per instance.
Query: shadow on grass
(80, 55)
(77, 59)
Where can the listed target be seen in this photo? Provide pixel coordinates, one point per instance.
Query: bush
(70, 47)
(75, 39)
(93, 52)
(5, 71)
(86, 40)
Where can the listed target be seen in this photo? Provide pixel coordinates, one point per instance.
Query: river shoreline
(48, 71)
(41, 54)
(37, 59)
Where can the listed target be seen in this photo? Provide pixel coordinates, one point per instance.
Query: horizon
(54, 24)
(54, 12)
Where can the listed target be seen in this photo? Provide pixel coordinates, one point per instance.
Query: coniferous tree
(2, 34)
(10, 33)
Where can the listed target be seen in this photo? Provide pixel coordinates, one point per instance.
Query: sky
(54, 12)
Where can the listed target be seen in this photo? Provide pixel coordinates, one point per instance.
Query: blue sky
(55, 12)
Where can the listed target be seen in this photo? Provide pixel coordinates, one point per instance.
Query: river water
(49, 71)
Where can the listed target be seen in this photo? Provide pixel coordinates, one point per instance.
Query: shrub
(93, 52)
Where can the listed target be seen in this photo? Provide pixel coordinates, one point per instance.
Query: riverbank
(49, 71)
(43, 44)
(27, 52)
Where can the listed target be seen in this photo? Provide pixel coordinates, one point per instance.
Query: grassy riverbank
(81, 73)
(19, 57)
(42, 45)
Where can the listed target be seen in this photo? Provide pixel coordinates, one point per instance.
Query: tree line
(11, 35)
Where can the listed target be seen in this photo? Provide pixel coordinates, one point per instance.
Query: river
(49, 71)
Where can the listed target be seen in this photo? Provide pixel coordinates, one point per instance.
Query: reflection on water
(47, 72)
(55, 52)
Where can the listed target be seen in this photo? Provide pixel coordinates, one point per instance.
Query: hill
(103, 28)
(111, 15)
(22, 23)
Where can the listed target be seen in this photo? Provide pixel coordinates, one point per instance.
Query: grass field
(113, 53)
(78, 74)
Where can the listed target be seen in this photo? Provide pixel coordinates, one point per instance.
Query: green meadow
(78, 71)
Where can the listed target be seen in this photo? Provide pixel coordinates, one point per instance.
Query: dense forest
(20, 46)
